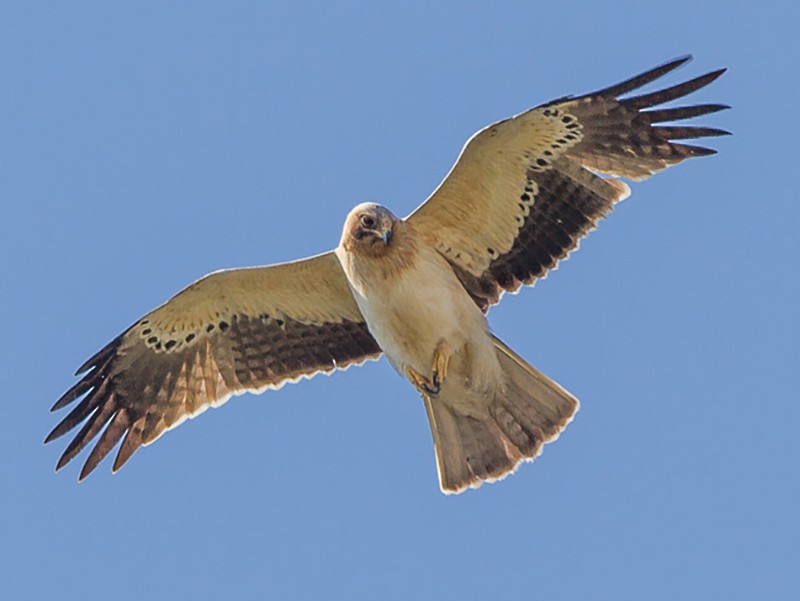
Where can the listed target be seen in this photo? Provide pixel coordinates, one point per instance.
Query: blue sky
(146, 145)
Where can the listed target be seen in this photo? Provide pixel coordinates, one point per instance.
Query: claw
(430, 387)
(441, 359)
(421, 383)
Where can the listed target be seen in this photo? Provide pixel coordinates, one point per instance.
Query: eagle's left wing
(524, 191)
(234, 331)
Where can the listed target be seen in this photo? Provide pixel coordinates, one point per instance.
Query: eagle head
(368, 229)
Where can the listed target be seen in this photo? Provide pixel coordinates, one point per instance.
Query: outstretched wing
(524, 191)
(236, 331)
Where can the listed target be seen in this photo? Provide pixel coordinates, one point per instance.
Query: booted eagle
(519, 198)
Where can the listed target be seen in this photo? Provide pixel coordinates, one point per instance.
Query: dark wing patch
(137, 391)
(568, 203)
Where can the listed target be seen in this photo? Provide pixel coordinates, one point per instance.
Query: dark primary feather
(619, 136)
(638, 81)
(683, 112)
(673, 92)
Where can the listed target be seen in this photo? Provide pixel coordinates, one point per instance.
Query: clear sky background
(144, 144)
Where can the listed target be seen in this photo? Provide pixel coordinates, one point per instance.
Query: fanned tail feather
(530, 411)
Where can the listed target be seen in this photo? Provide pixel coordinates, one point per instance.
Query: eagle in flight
(521, 195)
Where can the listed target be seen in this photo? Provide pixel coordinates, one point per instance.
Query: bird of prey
(520, 196)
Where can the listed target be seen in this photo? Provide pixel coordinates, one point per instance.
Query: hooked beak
(386, 236)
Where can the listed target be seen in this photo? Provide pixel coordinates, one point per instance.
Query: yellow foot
(430, 387)
(421, 383)
(441, 359)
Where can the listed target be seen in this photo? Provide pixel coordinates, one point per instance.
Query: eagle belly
(411, 310)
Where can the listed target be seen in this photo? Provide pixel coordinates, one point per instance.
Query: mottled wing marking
(475, 213)
(524, 191)
(229, 333)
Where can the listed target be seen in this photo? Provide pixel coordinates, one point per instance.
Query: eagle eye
(368, 221)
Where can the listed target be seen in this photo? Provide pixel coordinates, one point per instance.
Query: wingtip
(64, 400)
(672, 64)
(53, 435)
(64, 426)
(642, 79)
(679, 61)
(86, 366)
(701, 151)
(85, 471)
(121, 459)
(711, 132)
(652, 99)
(716, 74)
(62, 461)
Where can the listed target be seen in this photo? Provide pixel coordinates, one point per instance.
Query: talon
(434, 389)
(431, 387)
(421, 383)
(441, 359)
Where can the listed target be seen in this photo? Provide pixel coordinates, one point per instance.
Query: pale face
(368, 229)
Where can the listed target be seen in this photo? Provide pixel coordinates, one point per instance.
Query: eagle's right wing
(231, 332)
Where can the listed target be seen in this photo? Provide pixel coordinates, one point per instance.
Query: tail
(500, 429)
